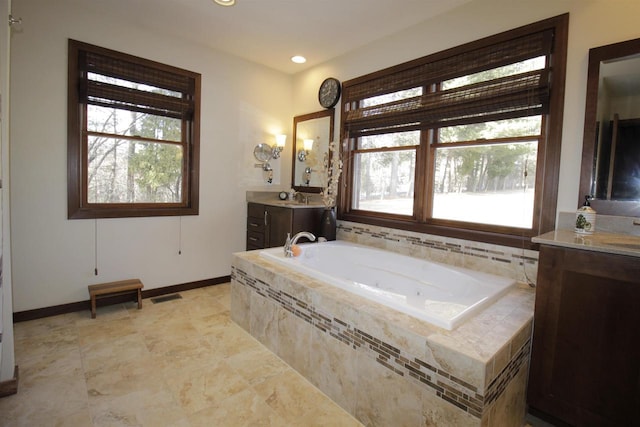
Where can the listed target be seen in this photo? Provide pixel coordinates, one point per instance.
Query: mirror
(262, 152)
(316, 131)
(611, 145)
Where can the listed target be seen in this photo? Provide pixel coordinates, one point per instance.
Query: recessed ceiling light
(298, 59)
(225, 2)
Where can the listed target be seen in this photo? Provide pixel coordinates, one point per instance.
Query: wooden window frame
(186, 108)
(547, 171)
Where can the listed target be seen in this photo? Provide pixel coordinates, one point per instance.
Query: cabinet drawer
(255, 239)
(255, 224)
(255, 210)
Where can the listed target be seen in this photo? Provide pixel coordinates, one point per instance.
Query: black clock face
(329, 92)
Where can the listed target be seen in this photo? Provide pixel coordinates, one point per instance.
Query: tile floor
(176, 363)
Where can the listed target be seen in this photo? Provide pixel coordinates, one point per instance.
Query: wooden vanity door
(585, 363)
(279, 222)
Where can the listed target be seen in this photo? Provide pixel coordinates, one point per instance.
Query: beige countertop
(288, 204)
(613, 243)
(271, 199)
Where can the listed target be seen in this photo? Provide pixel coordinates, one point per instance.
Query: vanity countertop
(271, 199)
(288, 204)
(613, 243)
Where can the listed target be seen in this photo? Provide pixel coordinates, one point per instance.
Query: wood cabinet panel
(585, 363)
(267, 226)
(255, 240)
(279, 223)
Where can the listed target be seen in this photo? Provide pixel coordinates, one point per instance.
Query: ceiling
(269, 32)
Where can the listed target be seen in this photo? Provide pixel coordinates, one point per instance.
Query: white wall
(242, 104)
(7, 355)
(592, 23)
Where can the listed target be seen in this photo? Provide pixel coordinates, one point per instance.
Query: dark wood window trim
(128, 67)
(554, 31)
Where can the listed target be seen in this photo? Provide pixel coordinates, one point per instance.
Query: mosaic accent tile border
(499, 383)
(514, 259)
(446, 386)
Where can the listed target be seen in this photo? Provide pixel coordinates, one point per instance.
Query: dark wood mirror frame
(302, 118)
(596, 56)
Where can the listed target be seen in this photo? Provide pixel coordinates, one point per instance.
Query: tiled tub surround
(383, 366)
(516, 263)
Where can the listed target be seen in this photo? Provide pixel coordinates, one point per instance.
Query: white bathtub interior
(440, 294)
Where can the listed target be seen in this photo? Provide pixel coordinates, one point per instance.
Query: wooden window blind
(515, 95)
(171, 94)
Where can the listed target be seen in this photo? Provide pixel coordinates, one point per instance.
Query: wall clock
(329, 92)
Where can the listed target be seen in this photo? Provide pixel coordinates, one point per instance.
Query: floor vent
(166, 298)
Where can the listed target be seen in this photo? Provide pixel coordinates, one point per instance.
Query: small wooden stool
(115, 288)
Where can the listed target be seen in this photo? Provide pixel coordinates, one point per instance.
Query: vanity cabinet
(267, 226)
(585, 362)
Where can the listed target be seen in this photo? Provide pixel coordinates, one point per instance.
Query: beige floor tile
(58, 341)
(151, 311)
(175, 363)
(205, 387)
(147, 407)
(257, 365)
(44, 327)
(104, 330)
(225, 299)
(59, 419)
(230, 340)
(222, 288)
(244, 409)
(205, 307)
(289, 394)
(50, 366)
(103, 354)
(78, 419)
(50, 399)
(328, 416)
(221, 291)
(184, 356)
(210, 324)
(121, 378)
(176, 328)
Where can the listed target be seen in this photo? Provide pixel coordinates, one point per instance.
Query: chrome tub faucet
(293, 240)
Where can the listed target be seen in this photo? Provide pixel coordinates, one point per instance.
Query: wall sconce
(307, 146)
(264, 153)
(281, 139)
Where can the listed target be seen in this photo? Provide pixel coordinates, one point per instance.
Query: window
(133, 136)
(464, 143)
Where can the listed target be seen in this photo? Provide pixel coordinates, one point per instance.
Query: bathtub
(440, 294)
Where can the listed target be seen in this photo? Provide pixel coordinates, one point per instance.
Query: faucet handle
(287, 246)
